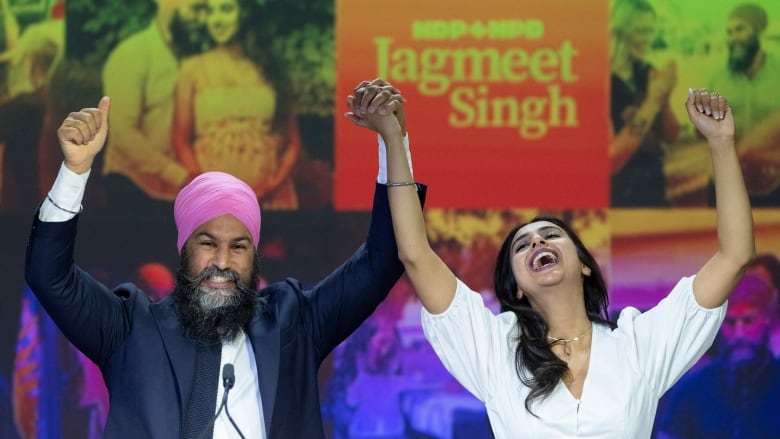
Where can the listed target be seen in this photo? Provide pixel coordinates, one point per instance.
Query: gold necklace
(566, 341)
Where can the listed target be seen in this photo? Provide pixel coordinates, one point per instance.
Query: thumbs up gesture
(82, 135)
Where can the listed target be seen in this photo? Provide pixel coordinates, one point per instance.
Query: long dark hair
(534, 355)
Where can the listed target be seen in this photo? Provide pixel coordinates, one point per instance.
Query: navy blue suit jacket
(148, 364)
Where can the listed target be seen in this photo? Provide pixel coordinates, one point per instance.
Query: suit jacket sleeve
(345, 299)
(89, 314)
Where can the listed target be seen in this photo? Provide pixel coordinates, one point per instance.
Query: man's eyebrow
(204, 234)
(208, 235)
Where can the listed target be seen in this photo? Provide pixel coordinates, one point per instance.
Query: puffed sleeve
(668, 339)
(473, 343)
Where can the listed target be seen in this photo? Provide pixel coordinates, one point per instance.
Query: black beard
(746, 374)
(209, 319)
(742, 64)
(188, 39)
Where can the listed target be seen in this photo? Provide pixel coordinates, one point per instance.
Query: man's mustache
(214, 271)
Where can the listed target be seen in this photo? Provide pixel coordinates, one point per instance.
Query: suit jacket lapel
(180, 351)
(263, 332)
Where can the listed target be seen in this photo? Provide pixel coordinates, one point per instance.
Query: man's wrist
(64, 199)
(79, 168)
(382, 173)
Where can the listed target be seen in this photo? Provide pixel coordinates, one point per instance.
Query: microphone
(228, 381)
(228, 377)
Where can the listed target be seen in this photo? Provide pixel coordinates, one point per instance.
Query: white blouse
(630, 367)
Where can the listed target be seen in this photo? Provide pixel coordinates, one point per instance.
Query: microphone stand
(228, 380)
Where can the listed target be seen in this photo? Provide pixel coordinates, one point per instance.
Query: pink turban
(211, 195)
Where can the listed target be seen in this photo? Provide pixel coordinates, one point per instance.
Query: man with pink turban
(161, 361)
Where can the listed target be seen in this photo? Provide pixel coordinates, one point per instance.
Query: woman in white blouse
(551, 365)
